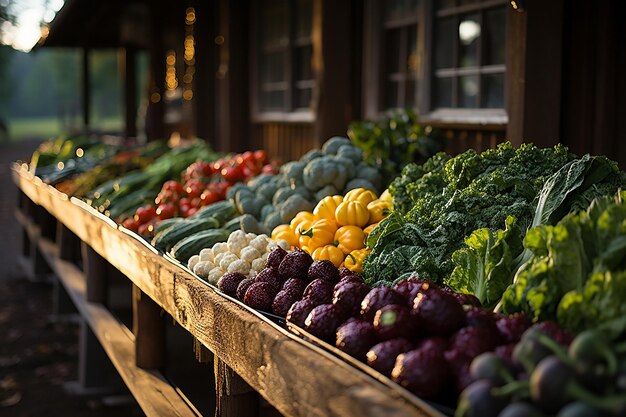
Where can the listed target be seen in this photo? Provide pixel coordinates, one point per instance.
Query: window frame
(292, 113)
(373, 85)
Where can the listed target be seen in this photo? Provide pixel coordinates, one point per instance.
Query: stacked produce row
(493, 283)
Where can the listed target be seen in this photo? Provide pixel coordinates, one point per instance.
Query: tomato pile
(201, 184)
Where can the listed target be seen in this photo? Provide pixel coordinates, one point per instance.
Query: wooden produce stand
(252, 354)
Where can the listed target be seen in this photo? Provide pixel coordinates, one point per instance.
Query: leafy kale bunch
(576, 273)
(488, 263)
(394, 141)
(440, 203)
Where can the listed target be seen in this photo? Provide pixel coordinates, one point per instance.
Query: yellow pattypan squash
(379, 209)
(354, 260)
(302, 222)
(325, 209)
(369, 228)
(284, 232)
(349, 238)
(362, 195)
(330, 252)
(321, 233)
(352, 213)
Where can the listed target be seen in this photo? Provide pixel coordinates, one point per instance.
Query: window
(468, 54)
(285, 77)
(445, 58)
(400, 53)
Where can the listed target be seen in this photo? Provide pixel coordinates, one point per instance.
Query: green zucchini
(222, 211)
(233, 224)
(167, 223)
(192, 245)
(169, 237)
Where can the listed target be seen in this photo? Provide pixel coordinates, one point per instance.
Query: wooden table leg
(149, 330)
(69, 244)
(96, 272)
(235, 398)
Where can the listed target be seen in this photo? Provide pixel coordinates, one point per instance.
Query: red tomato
(233, 174)
(195, 202)
(173, 186)
(210, 197)
(184, 210)
(131, 224)
(191, 211)
(143, 229)
(260, 156)
(194, 188)
(144, 214)
(268, 169)
(183, 202)
(166, 211)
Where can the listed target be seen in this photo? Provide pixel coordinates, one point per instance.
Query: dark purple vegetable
(376, 299)
(382, 356)
(356, 337)
(477, 400)
(423, 372)
(438, 313)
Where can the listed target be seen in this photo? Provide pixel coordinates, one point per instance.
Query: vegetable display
(335, 229)
(576, 273)
(442, 202)
(272, 200)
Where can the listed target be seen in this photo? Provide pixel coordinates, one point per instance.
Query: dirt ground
(38, 355)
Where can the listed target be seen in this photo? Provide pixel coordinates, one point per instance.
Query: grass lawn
(47, 127)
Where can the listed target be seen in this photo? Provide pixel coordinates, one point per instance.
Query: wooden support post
(26, 245)
(68, 243)
(96, 373)
(234, 397)
(149, 330)
(62, 304)
(46, 222)
(40, 267)
(95, 268)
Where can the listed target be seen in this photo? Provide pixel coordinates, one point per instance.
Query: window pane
(274, 19)
(443, 4)
(398, 9)
(303, 69)
(444, 43)
(443, 92)
(303, 98)
(469, 40)
(409, 97)
(304, 19)
(392, 98)
(493, 91)
(273, 100)
(392, 48)
(412, 59)
(468, 91)
(273, 67)
(495, 36)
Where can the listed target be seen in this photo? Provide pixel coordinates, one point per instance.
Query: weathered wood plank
(154, 393)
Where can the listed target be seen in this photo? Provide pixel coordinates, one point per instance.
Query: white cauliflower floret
(215, 275)
(250, 236)
(259, 243)
(283, 244)
(227, 260)
(203, 269)
(207, 254)
(265, 256)
(220, 247)
(249, 254)
(219, 257)
(236, 236)
(237, 241)
(258, 264)
(239, 266)
(193, 261)
(271, 246)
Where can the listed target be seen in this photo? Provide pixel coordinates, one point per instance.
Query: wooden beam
(86, 88)
(130, 91)
(149, 331)
(234, 397)
(333, 68)
(534, 61)
(95, 269)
